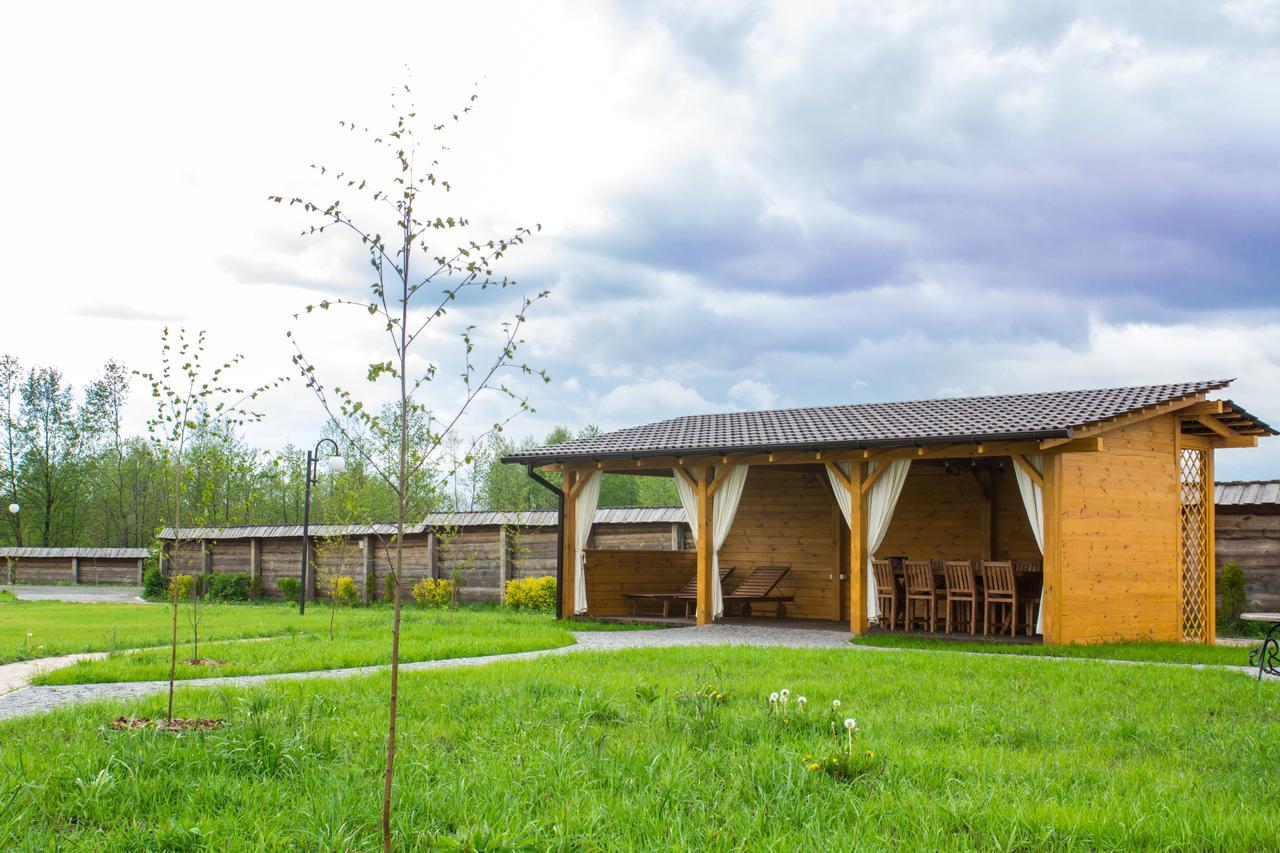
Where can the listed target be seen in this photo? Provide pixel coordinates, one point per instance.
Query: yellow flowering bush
(433, 592)
(344, 591)
(530, 594)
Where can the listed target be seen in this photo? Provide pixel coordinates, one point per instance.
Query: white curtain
(584, 513)
(723, 509)
(881, 502)
(1033, 500)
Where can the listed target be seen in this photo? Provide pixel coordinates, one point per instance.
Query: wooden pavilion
(1107, 493)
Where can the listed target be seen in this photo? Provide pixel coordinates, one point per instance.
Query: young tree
(50, 442)
(191, 397)
(102, 419)
(430, 263)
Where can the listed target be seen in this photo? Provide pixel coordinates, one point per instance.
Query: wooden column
(164, 560)
(75, 570)
(837, 525)
(366, 566)
(677, 536)
(1052, 494)
(1210, 555)
(206, 557)
(255, 563)
(504, 563)
(433, 561)
(570, 538)
(858, 591)
(141, 571)
(706, 549)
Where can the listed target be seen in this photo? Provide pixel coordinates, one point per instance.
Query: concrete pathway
(33, 700)
(23, 700)
(117, 594)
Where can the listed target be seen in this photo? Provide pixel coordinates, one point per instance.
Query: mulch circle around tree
(177, 724)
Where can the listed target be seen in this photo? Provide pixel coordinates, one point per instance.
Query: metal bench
(1266, 657)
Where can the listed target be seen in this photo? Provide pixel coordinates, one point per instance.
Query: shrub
(153, 584)
(433, 592)
(290, 588)
(389, 586)
(180, 586)
(344, 591)
(228, 586)
(1231, 585)
(531, 594)
(255, 586)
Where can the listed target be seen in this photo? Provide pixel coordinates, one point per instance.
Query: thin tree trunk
(173, 648)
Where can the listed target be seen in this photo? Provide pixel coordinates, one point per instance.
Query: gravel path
(91, 594)
(33, 700)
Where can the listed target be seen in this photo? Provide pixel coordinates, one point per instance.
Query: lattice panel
(1194, 556)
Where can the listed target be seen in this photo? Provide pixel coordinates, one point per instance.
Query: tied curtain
(881, 502)
(723, 508)
(1033, 500)
(584, 513)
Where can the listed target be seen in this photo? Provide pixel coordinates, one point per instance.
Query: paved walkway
(119, 594)
(35, 699)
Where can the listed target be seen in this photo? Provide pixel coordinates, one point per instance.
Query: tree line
(81, 479)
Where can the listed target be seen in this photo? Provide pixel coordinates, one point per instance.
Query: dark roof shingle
(1007, 416)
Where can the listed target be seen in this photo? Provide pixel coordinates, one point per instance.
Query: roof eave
(972, 438)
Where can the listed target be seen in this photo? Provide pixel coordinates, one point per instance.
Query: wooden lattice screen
(1194, 542)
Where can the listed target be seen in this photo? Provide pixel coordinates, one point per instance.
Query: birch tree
(429, 264)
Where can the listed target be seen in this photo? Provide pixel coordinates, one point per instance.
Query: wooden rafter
(1028, 469)
(838, 473)
(1139, 416)
(1216, 426)
(719, 479)
(870, 479)
(688, 478)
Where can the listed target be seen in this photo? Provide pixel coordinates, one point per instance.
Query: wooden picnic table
(1266, 657)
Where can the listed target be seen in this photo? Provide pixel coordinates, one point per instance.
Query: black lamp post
(336, 463)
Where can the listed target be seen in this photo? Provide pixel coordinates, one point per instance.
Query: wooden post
(504, 563)
(706, 547)
(570, 543)
(858, 591)
(677, 536)
(75, 570)
(366, 565)
(837, 525)
(433, 563)
(255, 563)
(1210, 555)
(164, 560)
(1052, 613)
(206, 557)
(141, 571)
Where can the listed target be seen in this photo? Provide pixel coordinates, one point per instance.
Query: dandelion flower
(850, 723)
(800, 700)
(784, 693)
(773, 698)
(835, 703)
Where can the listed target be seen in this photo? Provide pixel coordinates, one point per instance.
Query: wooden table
(1266, 657)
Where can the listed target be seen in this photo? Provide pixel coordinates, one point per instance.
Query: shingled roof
(1053, 414)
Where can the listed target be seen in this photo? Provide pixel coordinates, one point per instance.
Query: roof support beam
(1028, 469)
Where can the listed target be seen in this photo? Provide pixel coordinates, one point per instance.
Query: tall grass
(617, 751)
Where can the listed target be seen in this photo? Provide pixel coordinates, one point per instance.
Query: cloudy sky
(745, 205)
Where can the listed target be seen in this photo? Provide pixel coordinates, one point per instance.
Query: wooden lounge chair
(688, 593)
(758, 589)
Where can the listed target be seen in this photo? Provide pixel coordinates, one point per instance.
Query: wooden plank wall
(533, 552)
(785, 519)
(938, 517)
(633, 537)
(1119, 534)
(51, 570)
(231, 555)
(43, 570)
(612, 572)
(1252, 539)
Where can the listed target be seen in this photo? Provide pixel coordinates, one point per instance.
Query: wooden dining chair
(1029, 575)
(1000, 590)
(886, 593)
(921, 589)
(962, 588)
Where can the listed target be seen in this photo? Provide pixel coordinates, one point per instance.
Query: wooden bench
(1266, 657)
(758, 589)
(688, 593)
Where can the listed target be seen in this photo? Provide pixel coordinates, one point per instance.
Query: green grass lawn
(362, 637)
(624, 751)
(1158, 652)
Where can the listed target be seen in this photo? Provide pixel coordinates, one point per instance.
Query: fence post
(206, 557)
(141, 570)
(75, 570)
(504, 563)
(366, 567)
(255, 564)
(432, 564)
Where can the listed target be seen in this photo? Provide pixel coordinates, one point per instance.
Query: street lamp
(335, 464)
